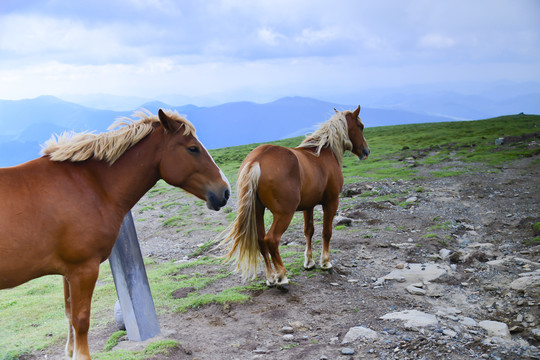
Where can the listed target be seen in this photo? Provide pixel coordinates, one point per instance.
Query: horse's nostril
(227, 194)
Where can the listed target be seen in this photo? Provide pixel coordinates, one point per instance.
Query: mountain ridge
(223, 125)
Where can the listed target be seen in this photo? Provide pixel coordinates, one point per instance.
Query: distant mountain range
(25, 124)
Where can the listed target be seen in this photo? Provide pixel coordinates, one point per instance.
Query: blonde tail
(240, 237)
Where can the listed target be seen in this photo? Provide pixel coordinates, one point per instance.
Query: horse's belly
(14, 273)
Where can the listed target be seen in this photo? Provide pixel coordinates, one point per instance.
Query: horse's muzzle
(365, 154)
(216, 200)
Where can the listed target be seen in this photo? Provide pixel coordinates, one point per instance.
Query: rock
(298, 325)
(498, 263)
(444, 253)
(118, 316)
(411, 199)
(529, 284)
(448, 312)
(495, 328)
(347, 351)
(406, 245)
(351, 191)
(468, 322)
(450, 333)
(517, 329)
(358, 332)
(411, 289)
(287, 330)
(288, 337)
(261, 351)
(413, 273)
(529, 318)
(412, 318)
(456, 257)
(341, 220)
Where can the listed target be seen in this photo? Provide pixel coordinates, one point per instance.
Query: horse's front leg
(81, 287)
(309, 229)
(67, 309)
(329, 211)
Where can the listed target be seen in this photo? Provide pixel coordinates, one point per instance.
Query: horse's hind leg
(81, 286)
(270, 275)
(329, 211)
(279, 225)
(67, 309)
(309, 229)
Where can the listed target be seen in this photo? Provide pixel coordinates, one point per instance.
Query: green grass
(533, 242)
(113, 340)
(443, 226)
(36, 309)
(156, 348)
(432, 143)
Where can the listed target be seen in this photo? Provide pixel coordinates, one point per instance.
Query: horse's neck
(131, 176)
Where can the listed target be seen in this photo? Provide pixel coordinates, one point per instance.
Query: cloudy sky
(223, 50)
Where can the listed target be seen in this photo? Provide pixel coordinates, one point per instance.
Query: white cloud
(244, 47)
(310, 36)
(270, 37)
(436, 41)
(66, 40)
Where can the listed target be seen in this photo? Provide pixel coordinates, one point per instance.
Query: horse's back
(277, 163)
(296, 175)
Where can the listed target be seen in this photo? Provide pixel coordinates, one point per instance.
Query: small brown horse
(61, 213)
(286, 180)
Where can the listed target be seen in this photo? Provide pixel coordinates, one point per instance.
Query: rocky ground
(436, 268)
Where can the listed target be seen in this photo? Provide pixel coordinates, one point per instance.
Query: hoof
(283, 284)
(273, 280)
(309, 266)
(326, 266)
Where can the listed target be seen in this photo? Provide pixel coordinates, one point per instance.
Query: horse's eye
(193, 149)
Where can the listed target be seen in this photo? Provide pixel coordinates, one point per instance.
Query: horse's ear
(356, 112)
(168, 123)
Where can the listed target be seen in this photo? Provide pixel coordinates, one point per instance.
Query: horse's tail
(240, 237)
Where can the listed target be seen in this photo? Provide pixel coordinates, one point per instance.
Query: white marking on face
(223, 177)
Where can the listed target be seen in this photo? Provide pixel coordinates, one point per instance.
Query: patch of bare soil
(437, 268)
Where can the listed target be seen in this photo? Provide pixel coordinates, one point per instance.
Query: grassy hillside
(468, 141)
(397, 152)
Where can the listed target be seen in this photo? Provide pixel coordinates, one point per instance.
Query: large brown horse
(286, 180)
(61, 213)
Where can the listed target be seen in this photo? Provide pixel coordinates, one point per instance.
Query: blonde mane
(334, 134)
(108, 146)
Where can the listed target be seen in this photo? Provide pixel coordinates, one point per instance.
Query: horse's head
(186, 163)
(356, 134)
